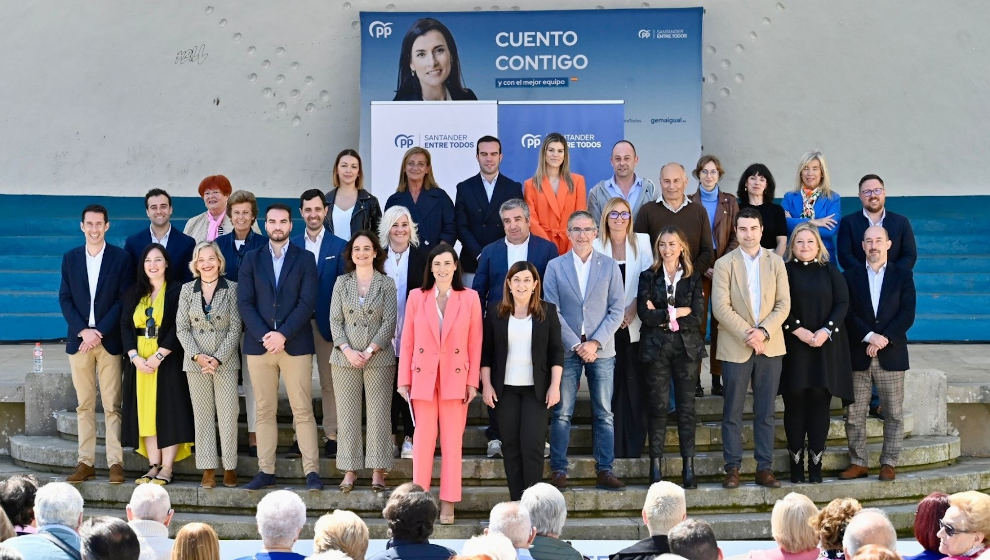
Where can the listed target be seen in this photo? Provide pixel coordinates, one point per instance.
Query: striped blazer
(361, 324)
(217, 335)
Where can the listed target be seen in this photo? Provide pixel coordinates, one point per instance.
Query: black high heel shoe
(687, 473)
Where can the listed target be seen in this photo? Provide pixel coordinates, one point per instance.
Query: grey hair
(150, 501)
(512, 204)
(493, 545)
(547, 508)
(281, 515)
(581, 214)
(330, 555)
(389, 218)
(58, 502)
(664, 507)
(694, 539)
(512, 520)
(869, 526)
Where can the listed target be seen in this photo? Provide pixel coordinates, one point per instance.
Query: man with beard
(873, 196)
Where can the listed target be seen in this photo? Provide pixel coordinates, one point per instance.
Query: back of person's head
(875, 552)
(869, 526)
(281, 515)
(694, 539)
(493, 545)
(790, 523)
(410, 515)
(149, 502)
(17, 498)
(108, 538)
(7, 553)
(512, 520)
(930, 510)
(196, 541)
(664, 507)
(669, 556)
(330, 555)
(341, 530)
(831, 522)
(547, 509)
(58, 503)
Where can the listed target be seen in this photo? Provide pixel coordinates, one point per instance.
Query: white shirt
(314, 246)
(397, 268)
(164, 240)
(753, 279)
(341, 222)
(516, 253)
(153, 538)
(583, 269)
(878, 222)
(677, 278)
(93, 265)
(875, 281)
(671, 208)
(489, 187)
(278, 261)
(238, 243)
(519, 361)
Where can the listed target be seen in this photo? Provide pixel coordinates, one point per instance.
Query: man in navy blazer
(94, 278)
(179, 246)
(478, 202)
(873, 194)
(327, 249)
(881, 310)
(276, 295)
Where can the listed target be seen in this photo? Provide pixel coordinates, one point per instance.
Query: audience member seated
(664, 507)
(790, 525)
(196, 541)
(149, 513)
(17, 498)
(869, 526)
(341, 530)
(58, 511)
(6, 527)
(410, 513)
(694, 539)
(548, 513)
(280, 516)
(830, 523)
(108, 538)
(930, 510)
(494, 546)
(512, 520)
(329, 555)
(876, 552)
(965, 528)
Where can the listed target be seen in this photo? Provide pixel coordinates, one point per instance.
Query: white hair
(492, 545)
(149, 501)
(281, 515)
(58, 503)
(330, 555)
(664, 507)
(869, 526)
(389, 218)
(512, 520)
(547, 508)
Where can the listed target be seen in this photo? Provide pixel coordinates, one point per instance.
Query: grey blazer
(217, 336)
(600, 311)
(361, 324)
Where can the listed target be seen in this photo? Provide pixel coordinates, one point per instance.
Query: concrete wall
(108, 97)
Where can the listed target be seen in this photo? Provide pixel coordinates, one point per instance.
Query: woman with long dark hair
(429, 66)
(756, 189)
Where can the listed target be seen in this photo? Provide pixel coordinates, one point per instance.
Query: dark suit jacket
(547, 349)
(653, 286)
(433, 214)
(417, 266)
(116, 276)
(233, 256)
(331, 265)
(493, 265)
(367, 212)
(478, 220)
(287, 309)
(903, 251)
(180, 249)
(895, 315)
(400, 550)
(646, 549)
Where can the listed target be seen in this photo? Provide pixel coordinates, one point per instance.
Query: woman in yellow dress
(156, 410)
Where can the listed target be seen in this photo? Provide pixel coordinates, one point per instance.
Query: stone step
(51, 453)
(708, 435)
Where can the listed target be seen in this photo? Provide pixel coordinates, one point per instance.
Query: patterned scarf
(809, 197)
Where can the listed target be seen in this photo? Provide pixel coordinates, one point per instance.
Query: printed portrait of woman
(429, 67)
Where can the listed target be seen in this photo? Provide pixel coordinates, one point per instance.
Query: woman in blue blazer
(813, 200)
(430, 206)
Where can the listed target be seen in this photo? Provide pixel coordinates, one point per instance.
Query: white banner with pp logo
(447, 129)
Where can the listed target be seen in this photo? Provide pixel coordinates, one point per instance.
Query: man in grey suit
(587, 289)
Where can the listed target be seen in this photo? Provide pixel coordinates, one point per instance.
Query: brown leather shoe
(766, 478)
(608, 481)
(230, 478)
(116, 474)
(209, 479)
(731, 478)
(854, 471)
(559, 479)
(887, 473)
(82, 473)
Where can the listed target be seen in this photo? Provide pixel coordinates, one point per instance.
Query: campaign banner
(447, 130)
(648, 58)
(590, 127)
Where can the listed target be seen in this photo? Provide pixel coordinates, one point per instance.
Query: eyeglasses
(949, 529)
(580, 230)
(708, 172)
(150, 330)
(614, 215)
(871, 192)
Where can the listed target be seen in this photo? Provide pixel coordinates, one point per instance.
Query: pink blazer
(453, 354)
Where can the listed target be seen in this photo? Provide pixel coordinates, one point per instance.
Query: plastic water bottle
(39, 358)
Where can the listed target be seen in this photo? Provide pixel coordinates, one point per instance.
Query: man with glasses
(624, 183)
(873, 196)
(586, 286)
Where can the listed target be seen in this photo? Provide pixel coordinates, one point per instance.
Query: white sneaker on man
(407, 449)
(494, 448)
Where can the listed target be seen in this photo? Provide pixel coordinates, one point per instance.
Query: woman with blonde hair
(964, 530)
(813, 200)
(790, 525)
(554, 193)
(196, 541)
(830, 524)
(429, 205)
(341, 530)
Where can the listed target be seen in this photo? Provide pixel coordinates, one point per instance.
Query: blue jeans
(600, 386)
(764, 372)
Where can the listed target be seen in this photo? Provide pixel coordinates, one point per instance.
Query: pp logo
(380, 29)
(530, 140)
(643, 33)
(404, 140)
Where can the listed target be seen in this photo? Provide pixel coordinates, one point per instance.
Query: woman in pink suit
(439, 369)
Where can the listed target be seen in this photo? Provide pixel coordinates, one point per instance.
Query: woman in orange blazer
(553, 193)
(439, 369)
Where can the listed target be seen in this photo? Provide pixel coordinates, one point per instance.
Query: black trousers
(628, 406)
(522, 423)
(672, 363)
(806, 414)
(400, 409)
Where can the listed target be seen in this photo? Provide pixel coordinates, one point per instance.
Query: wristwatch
(159, 356)
(765, 332)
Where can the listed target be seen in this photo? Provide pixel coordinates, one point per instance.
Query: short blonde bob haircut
(790, 523)
(822, 256)
(341, 530)
(216, 251)
(976, 507)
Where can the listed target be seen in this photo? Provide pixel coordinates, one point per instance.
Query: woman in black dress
(816, 366)
(756, 187)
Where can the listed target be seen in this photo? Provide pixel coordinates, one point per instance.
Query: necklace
(212, 282)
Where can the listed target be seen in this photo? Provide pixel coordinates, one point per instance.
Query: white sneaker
(494, 448)
(407, 449)
(546, 450)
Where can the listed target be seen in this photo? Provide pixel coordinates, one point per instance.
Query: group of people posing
(552, 280)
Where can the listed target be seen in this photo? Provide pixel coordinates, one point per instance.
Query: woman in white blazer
(632, 252)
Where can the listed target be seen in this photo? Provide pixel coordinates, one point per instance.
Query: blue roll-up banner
(648, 58)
